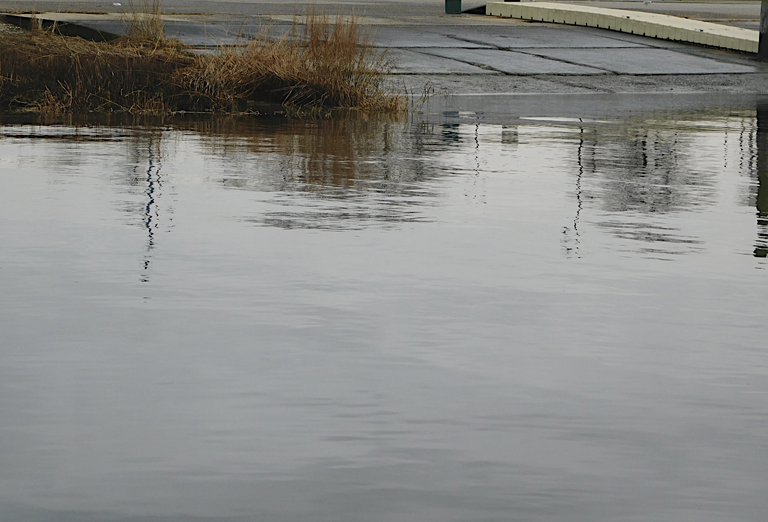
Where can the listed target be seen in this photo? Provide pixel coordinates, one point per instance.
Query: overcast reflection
(353, 173)
(354, 320)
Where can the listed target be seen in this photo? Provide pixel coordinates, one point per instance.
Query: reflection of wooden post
(762, 160)
(762, 52)
(761, 201)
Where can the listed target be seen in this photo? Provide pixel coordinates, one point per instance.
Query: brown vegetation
(329, 64)
(145, 21)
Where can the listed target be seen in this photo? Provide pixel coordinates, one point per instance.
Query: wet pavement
(474, 54)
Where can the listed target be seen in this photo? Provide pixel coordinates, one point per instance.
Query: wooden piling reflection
(761, 200)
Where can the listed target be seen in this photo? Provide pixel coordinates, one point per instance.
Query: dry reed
(145, 20)
(330, 64)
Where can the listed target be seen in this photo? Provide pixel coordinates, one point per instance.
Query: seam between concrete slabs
(514, 49)
(507, 73)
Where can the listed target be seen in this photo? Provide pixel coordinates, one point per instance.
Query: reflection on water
(151, 218)
(371, 320)
(761, 198)
(340, 174)
(345, 174)
(571, 234)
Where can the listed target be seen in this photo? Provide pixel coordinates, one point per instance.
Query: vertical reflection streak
(725, 141)
(574, 251)
(579, 202)
(151, 210)
(761, 198)
(477, 155)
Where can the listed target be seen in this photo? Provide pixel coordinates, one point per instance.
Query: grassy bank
(330, 64)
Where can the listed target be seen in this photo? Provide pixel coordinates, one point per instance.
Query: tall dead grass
(42, 71)
(330, 64)
(145, 20)
(323, 63)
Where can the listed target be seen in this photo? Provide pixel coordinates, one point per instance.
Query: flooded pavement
(461, 54)
(525, 315)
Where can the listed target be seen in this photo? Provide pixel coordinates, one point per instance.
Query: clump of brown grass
(329, 64)
(145, 21)
(43, 71)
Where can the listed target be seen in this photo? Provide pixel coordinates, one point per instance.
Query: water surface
(449, 318)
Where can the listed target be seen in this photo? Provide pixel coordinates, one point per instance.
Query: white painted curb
(633, 22)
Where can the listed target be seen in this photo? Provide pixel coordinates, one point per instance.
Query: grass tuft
(330, 64)
(145, 21)
(324, 63)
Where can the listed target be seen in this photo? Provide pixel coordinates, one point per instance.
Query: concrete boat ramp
(476, 54)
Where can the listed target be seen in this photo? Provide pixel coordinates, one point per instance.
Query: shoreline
(473, 55)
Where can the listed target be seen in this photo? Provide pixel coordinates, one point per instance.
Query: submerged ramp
(634, 22)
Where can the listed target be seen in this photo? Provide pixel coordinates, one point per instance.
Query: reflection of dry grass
(378, 153)
(334, 152)
(330, 65)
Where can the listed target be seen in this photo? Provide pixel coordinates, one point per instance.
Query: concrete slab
(418, 36)
(643, 61)
(425, 42)
(196, 35)
(190, 31)
(360, 19)
(494, 84)
(512, 62)
(517, 37)
(413, 62)
(721, 12)
(395, 11)
(392, 11)
(725, 84)
(682, 83)
(507, 108)
(216, 34)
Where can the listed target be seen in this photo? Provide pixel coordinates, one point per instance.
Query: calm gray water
(444, 319)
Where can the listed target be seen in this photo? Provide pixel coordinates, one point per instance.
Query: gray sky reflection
(350, 174)
(371, 321)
